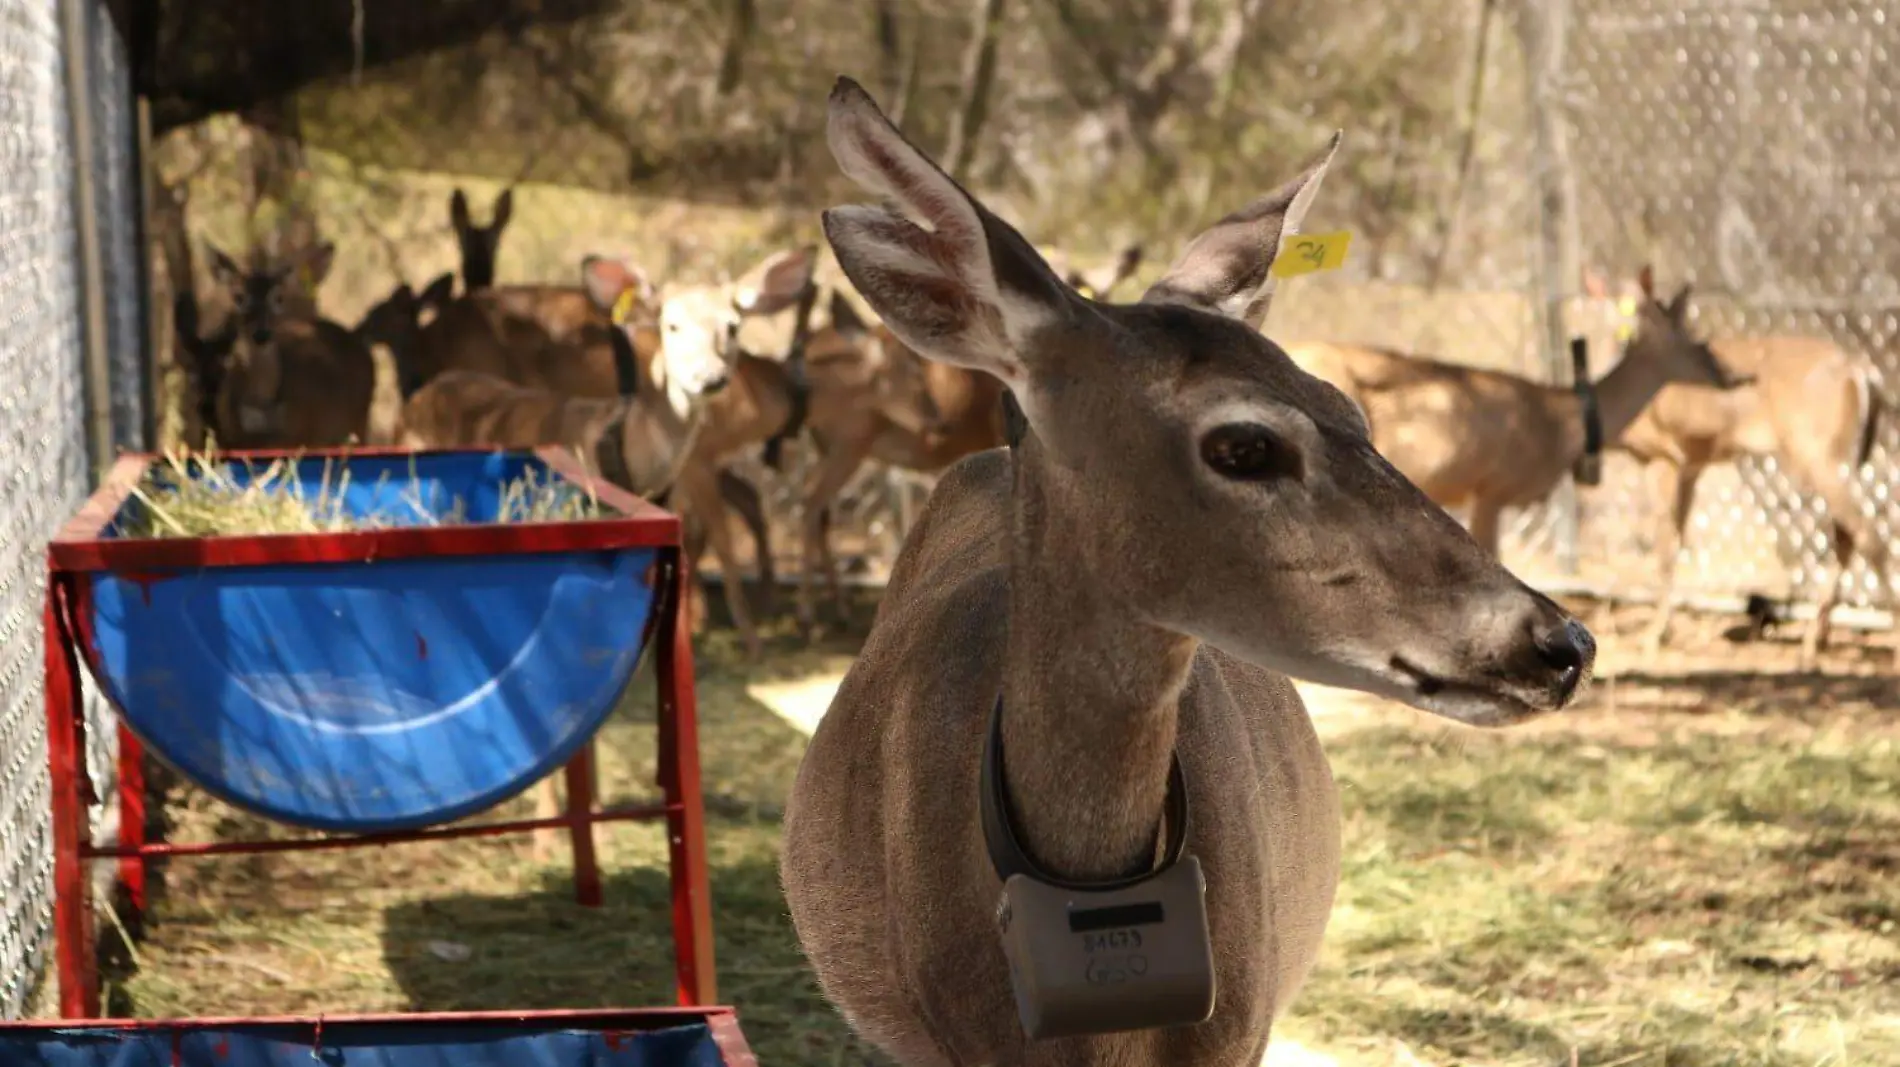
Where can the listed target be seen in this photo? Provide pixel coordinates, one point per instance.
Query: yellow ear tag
(1307, 253)
(1626, 317)
(623, 306)
(1086, 290)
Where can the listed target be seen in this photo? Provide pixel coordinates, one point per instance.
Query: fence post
(1542, 28)
(76, 43)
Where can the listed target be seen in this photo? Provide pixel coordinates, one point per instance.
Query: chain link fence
(1749, 148)
(44, 449)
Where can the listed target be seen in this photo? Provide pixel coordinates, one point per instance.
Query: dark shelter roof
(196, 58)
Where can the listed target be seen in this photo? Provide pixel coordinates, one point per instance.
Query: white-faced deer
(1100, 623)
(1808, 404)
(1492, 440)
(291, 378)
(639, 440)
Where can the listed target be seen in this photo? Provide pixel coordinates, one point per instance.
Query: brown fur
(1811, 406)
(1489, 440)
(290, 378)
(967, 417)
(1073, 580)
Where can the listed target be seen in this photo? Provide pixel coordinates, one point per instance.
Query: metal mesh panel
(1750, 150)
(42, 436)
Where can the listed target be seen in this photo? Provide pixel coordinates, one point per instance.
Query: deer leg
(1487, 518)
(1818, 630)
(743, 497)
(1680, 484)
(701, 486)
(840, 462)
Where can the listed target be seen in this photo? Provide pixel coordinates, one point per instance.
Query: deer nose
(1568, 651)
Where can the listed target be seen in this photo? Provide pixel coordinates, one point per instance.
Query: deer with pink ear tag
(1067, 807)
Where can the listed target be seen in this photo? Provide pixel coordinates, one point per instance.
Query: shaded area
(196, 58)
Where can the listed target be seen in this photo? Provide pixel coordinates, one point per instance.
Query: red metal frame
(80, 548)
(720, 1019)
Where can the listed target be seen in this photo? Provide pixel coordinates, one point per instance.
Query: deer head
(262, 296)
(479, 243)
(1661, 335)
(1181, 466)
(688, 366)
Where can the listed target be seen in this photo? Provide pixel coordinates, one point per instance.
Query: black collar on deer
(1006, 851)
(797, 380)
(610, 453)
(626, 369)
(1588, 470)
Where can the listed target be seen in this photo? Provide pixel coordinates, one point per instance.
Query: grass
(190, 494)
(1628, 885)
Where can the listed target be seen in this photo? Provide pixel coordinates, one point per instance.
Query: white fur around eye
(1289, 422)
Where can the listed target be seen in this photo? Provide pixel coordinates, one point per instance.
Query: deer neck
(1090, 694)
(654, 440)
(1624, 392)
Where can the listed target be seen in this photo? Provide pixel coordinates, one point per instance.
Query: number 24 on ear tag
(1307, 253)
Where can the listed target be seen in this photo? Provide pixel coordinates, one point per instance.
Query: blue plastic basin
(377, 694)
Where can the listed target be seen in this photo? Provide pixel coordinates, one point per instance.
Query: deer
(490, 328)
(637, 440)
(968, 419)
(840, 384)
(289, 377)
(1808, 404)
(1490, 440)
(1101, 624)
(564, 311)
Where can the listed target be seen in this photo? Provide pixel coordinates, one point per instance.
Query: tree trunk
(973, 92)
(743, 17)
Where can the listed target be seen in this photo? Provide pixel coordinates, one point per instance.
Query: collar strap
(1586, 391)
(610, 454)
(1005, 848)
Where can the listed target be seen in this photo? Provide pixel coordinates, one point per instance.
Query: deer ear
(437, 292)
(316, 264)
(1646, 281)
(224, 270)
(458, 211)
(1593, 285)
(606, 279)
(777, 283)
(1678, 306)
(504, 210)
(1228, 268)
(1125, 267)
(845, 318)
(958, 285)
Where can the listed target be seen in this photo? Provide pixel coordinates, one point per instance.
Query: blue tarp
(373, 1045)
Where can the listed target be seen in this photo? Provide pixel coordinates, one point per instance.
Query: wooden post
(1543, 29)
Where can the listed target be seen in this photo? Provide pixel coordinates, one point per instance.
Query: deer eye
(1250, 452)
(241, 301)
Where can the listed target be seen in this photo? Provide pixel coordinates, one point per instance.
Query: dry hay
(190, 494)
